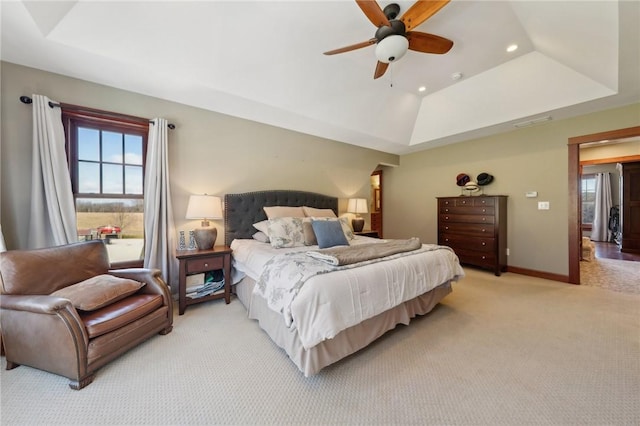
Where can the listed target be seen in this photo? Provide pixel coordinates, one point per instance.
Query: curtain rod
(28, 100)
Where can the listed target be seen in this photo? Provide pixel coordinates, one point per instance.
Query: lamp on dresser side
(204, 207)
(357, 206)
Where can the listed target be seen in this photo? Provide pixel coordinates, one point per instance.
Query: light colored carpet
(509, 350)
(612, 274)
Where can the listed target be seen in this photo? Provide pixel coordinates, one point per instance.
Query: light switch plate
(543, 205)
(531, 194)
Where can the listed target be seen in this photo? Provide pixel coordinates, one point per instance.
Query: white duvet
(330, 302)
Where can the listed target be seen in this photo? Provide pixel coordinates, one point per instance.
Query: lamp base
(357, 224)
(205, 237)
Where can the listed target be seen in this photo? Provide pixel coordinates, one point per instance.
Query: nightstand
(198, 261)
(372, 234)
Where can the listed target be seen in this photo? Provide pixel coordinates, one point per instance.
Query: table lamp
(204, 207)
(357, 206)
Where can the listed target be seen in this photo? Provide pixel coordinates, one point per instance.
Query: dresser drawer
(484, 201)
(476, 258)
(480, 210)
(465, 242)
(467, 229)
(466, 218)
(204, 264)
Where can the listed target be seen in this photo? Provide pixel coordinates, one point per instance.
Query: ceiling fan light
(391, 48)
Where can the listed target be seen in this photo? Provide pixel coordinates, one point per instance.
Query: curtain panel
(159, 228)
(600, 230)
(52, 220)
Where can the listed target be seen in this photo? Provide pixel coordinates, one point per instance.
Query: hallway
(612, 251)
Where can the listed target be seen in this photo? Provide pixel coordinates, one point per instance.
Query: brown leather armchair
(48, 332)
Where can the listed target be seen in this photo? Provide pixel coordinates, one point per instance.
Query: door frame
(575, 231)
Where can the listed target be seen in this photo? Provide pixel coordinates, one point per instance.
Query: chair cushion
(98, 292)
(120, 313)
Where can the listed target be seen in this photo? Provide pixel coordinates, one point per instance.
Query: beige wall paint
(209, 152)
(624, 149)
(217, 154)
(531, 159)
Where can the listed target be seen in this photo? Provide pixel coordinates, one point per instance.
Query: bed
(307, 329)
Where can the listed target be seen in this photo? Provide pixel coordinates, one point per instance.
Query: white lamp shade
(357, 205)
(204, 207)
(391, 48)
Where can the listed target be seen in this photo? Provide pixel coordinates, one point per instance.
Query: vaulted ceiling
(263, 61)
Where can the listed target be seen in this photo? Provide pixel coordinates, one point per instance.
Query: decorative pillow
(286, 232)
(283, 211)
(261, 236)
(262, 227)
(346, 228)
(329, 233)
(98, 291)
(309, 235)
(313, 212)
(344, 222)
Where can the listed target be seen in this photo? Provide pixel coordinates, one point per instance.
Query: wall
(209, 152)
(529, 159)
(617, 150)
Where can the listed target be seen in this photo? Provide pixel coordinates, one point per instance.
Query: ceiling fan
(394, 36)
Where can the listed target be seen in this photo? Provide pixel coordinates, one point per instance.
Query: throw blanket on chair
(347, 255)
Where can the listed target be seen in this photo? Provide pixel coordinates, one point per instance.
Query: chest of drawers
(476, 229)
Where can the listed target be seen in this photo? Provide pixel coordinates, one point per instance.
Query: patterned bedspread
(334, 304)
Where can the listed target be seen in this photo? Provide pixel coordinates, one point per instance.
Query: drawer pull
(484, 244)
(484, 230)
(484, 218)
(483, 257)
(484, 210)
(446, 217)
(446, 227)
(446, 210)
(206, 265)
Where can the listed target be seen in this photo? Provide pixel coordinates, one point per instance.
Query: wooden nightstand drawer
(203, 265)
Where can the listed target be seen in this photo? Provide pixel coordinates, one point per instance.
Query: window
(106, 161)
(588, 190)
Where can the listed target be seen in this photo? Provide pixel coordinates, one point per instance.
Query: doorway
(376, 202)
(575, 228)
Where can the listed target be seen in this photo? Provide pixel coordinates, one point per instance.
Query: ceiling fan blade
(352, 47)
(381, 68)
(428, 43)
(421, 11)
(373, 11)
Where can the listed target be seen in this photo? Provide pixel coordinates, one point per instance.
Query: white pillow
(262, 227)
(344, 222)
(313, 212)
(261, 236)
(286, 232)
(283, 211)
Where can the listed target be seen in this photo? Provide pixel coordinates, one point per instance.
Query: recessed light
(512, 48)
(422, 88)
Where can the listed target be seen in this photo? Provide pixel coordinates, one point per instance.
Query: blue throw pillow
(329, 233)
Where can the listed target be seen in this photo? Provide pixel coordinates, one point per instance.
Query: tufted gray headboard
(243, 210)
